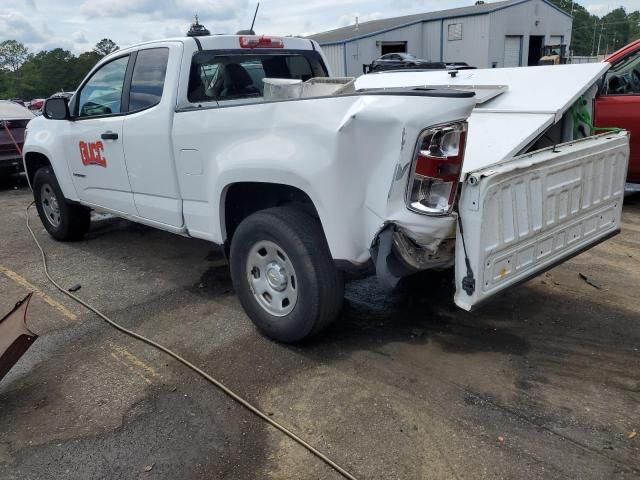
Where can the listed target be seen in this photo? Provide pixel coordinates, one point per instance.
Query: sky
(77, 25)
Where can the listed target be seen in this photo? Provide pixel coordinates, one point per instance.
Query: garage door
(512, 53)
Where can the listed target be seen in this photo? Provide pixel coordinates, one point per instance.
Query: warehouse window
(455, 32)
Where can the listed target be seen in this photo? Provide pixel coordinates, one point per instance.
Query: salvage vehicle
(178, 135)
(618, 103)
(399, 60)
(13, 121)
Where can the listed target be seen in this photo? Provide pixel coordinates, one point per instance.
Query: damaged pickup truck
(194, 136)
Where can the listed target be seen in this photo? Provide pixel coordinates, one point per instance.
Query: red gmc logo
(91, 153)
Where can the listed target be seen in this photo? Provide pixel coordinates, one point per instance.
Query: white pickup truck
(179, 135)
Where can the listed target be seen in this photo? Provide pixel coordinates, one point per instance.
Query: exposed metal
(15, 337)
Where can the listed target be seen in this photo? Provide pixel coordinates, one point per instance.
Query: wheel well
(243, 199)
(34, 161)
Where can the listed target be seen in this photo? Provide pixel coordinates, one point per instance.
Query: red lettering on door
(91, 153)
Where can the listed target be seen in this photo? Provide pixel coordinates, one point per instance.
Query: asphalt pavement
(543, 382)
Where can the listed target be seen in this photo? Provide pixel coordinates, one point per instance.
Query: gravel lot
(544, 382)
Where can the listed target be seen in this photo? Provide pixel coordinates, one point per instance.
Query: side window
(102, 94)
(623, 78)
(147, 81)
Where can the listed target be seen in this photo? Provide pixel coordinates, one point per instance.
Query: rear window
(216, 76)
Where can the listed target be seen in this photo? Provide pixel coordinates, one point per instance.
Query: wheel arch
(241, 199)
(33, 161)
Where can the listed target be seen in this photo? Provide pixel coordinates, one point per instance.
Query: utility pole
(600, 36)
(614, 43)
(593, 44)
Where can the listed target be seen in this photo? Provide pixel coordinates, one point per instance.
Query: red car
(13, 121)
(618, 103)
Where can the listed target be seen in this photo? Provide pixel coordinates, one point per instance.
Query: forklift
(553, 55)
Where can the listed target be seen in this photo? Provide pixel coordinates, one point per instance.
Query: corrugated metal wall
(431, 37)
(481, 43)
(335, 59)
(365, 50)
(473, 47)
(526, 19)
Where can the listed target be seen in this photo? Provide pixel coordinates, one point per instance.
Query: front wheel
(63, 220)
(284, 275)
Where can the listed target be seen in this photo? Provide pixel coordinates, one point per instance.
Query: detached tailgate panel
(524, 216)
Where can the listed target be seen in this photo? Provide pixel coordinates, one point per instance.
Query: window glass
(147, 81)
(102, 94)
(230, 77)
(624, 77)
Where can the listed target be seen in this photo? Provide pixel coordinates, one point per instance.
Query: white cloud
(79, 37)
(79, 24)
(15, 25)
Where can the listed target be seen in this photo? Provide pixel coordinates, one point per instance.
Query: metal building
(501, 34)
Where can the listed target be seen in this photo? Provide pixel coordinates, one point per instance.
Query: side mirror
(56, 108)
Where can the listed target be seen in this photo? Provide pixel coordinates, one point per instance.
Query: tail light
(433, 184)
(261, 41)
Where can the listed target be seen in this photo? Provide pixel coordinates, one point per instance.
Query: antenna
(250, 31)
(254, 16)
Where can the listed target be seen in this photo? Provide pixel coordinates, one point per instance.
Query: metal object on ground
(15, 337)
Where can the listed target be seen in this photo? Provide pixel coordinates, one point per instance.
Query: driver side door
(94, 146)
(619, 105)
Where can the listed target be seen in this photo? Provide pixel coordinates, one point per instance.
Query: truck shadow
(417, 312)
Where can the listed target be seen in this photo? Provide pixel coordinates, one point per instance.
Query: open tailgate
(522, 217)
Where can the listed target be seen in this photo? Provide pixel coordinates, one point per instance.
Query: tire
(289, 251)
(63, 220)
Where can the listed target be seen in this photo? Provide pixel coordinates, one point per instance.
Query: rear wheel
(284, 275)
(63, 220)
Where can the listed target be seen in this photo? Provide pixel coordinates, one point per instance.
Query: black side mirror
(56, 108)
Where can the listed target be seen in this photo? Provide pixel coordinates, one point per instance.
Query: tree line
(593, 35)
(27, 75)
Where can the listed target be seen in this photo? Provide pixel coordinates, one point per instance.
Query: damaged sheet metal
(15, 337)
(397, 255)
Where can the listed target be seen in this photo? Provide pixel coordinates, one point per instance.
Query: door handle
(109, 136)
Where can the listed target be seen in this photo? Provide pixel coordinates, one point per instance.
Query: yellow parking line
(130, 367)
(128, 358)
(23, 282)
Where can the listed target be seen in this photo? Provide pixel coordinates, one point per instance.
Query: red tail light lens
(433, 184)
(258, 41)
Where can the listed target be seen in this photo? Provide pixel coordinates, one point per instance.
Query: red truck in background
(618, 104)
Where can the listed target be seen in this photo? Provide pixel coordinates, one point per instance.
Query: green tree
(612, 31)
(105, 47)
(12, 55)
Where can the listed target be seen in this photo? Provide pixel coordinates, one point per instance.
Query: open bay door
(522, 217)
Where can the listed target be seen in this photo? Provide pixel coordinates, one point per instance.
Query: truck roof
(229, 42)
